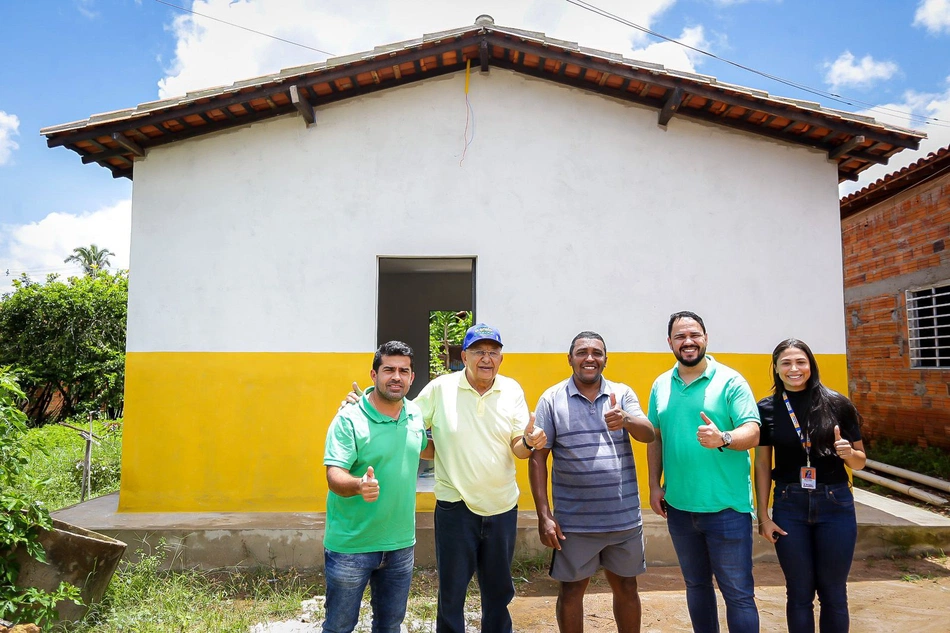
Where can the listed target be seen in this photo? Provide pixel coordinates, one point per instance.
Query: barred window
(928, 325)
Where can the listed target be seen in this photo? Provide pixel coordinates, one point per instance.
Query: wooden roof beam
(710, 92)
(869, 157)
(483, 56)
(303, 105)
(670, 106)
(159, 117)
(846, 147)
(127, 143)
(100, 156)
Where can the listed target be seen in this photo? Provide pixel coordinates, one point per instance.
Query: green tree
(91, 258)
(66, 341)
(446, 327)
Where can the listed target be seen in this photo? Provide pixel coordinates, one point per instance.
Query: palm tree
(91, 258)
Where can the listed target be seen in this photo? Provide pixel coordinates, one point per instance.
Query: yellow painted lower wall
(244, 432)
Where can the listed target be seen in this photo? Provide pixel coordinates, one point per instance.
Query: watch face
(727, 438)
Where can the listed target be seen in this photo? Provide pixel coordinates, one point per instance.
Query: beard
(385, 392)
(691, 363)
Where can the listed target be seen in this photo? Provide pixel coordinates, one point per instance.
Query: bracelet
(524, 441)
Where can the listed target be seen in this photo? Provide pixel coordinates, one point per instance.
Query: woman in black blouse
(812, 432)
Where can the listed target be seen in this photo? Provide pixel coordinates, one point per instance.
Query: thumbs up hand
(369, 486)
(615, 416)
(534, 437)
(842, 446)
(708, 433)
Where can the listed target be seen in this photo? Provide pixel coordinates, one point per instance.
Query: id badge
(809, 478)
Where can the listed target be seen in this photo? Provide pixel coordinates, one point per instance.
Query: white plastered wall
(583, 214)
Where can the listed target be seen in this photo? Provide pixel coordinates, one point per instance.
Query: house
(284, 226)
(896, 235)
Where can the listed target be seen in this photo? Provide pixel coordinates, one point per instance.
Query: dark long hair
(826, 405)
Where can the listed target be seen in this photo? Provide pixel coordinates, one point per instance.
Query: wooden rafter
(846, 147)
(303, 105)
(123, 141)
(670, 106)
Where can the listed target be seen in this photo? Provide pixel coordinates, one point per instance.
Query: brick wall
(902, 242)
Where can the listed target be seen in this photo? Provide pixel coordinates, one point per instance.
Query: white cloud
(87, 8)
(844, 72)
(40, 247)
(907, 113)
(209, 53)
(673, 55)
(933, 15)
(9, 127)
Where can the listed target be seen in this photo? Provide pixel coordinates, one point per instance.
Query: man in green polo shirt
(372, 456)
(706, 421)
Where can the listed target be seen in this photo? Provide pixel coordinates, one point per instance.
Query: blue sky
(67, 59)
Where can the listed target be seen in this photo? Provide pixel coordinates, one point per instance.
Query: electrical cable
(244, 28)
(926, 120)
(469, 113)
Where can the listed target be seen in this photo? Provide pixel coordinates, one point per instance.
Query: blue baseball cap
(480, 332)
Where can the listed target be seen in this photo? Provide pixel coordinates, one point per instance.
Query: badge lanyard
(808, 475)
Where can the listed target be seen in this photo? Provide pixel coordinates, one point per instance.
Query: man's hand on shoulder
(352, 397)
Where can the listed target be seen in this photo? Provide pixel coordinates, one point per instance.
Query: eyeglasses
(483, 353)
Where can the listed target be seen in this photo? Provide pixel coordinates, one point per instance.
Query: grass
(147, 599)
(56, 455)
(931, 461)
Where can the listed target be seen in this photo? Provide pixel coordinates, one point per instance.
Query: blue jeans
(466, 544)
(716, 544)
(388, 574)
(816, 554)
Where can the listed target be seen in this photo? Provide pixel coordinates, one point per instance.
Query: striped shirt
(593, 476)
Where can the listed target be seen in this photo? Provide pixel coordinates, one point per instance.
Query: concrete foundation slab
(284, 540)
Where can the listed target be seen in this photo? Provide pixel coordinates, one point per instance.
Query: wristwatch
(726, 440)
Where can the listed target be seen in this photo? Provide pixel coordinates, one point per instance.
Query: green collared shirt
(360, 437)
(699, 479)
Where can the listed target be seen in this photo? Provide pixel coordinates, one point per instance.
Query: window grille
(928, 325)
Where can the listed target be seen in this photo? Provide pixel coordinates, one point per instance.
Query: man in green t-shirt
(372, 456)
(706, 421)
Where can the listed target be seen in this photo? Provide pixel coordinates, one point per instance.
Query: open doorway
(410, 290)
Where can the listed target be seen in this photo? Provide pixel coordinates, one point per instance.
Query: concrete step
(285, 540)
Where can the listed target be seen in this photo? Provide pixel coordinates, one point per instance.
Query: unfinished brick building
(896, 240)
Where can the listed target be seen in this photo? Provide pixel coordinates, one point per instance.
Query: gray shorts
(583, 553)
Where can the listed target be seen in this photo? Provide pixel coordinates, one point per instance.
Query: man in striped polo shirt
(596, 522)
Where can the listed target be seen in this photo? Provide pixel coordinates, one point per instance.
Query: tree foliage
(91, 258)
(66, 341)
(21, 520)
(446, 328)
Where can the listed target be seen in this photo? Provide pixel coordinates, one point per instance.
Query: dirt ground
(885, 596)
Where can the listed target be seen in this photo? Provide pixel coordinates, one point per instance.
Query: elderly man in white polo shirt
(480, 425)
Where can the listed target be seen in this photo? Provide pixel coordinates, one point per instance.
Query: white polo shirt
(473, 434)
